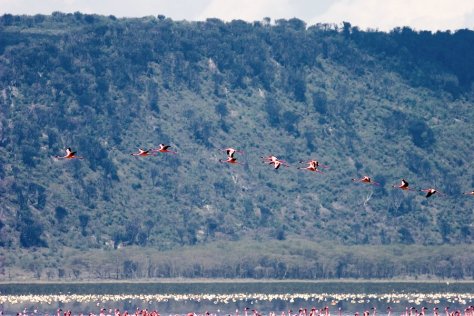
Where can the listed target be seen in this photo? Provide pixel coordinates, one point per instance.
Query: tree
(60, 213)
(83, 222)
(421, 134)
(405, 236)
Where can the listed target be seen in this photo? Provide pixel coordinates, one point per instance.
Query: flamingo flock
(311, 165)
(323, 311)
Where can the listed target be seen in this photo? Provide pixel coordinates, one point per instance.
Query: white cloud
(248, 10)
(385, 15)
(178, 9)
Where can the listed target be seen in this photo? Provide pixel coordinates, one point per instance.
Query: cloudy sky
(376, 14)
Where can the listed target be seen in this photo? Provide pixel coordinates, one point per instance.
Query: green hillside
(389, 105)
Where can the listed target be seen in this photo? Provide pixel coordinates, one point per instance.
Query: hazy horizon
(366, 14)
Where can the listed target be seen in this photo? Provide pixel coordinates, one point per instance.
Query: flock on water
(323, 311)
(294, 304)
(311, 165)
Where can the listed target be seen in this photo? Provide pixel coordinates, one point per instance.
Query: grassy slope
(191, 198)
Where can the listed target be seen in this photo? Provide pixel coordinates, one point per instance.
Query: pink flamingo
(423, 309)
(315, 162)
(231, 151)
(143, 153)
(312, 166)
(273, 160)
(278, 163)
(164, 149)
(430, 192)
(366, 179)
(469, 193)
(231, 160)
(403, 186)
(69, 155)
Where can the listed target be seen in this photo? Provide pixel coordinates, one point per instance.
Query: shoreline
(240, 281)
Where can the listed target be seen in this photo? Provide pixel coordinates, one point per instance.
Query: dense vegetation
(391, 105)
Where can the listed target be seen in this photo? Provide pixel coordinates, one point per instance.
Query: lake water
(228, 298)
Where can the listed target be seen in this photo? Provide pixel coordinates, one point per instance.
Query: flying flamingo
(143, 153)
(269, 158)
(231, 160)
(403, 186)
(469, 193)
(231, 151)
(69, 155)
(164, 149)
(278, 163)
(312, 166)
(430, 192)
(315, 162)
(275, 161)
(366, 179)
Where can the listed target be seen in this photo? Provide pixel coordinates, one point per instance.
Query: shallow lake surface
(231, 298)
